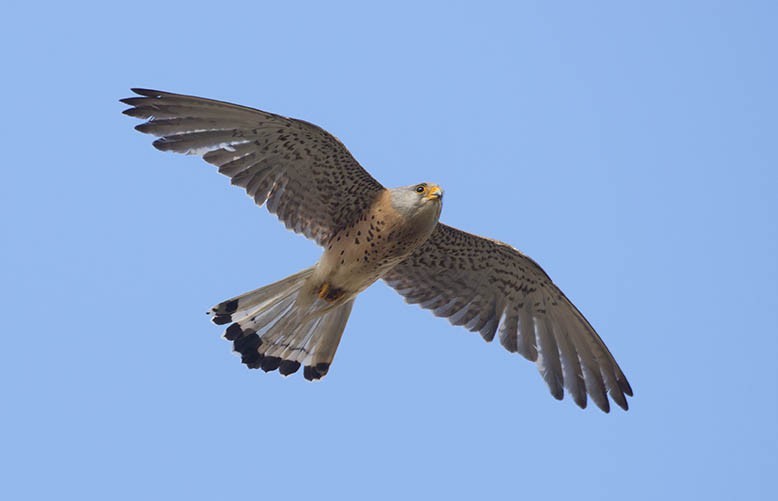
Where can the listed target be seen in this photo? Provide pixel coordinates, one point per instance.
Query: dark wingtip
(581, 401)
(310, 373)
(132, 112)
(163, 145)
(617, 395)
(270, 363)
(252, 359)
(134, 101)
(230, 306)
(247, 344)
(221, 319)
(225, 307)
(288, 367)
(625, 387)
(318, 371)
(146, 92)
(233, 332)
(620, 399)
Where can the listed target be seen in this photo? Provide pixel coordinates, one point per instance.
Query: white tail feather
(274, 327)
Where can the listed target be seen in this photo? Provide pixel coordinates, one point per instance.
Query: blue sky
(630, 149)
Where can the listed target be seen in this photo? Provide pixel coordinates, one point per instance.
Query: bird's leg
(330, 294)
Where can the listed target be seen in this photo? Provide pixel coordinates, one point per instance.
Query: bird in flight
(307, 177)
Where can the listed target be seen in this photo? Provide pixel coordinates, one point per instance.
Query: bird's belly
(352, 270)
(363, 253)
(354, 262)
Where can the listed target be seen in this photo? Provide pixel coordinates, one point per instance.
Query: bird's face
(418, 200)
(429, 192)
(428, 199)
(419, 206)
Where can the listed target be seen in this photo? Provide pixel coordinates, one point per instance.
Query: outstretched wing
(306, 176)
(484, 285)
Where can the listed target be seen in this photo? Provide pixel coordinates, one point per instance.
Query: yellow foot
(330, 293)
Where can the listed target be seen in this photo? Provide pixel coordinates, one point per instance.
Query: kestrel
(308, 178)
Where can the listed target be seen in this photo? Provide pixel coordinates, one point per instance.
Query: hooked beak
(435, 193)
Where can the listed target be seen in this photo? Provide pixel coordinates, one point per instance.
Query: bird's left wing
(304, 174)
(484, 285)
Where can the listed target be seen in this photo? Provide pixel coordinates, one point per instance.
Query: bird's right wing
(484, 285)
(306, 176)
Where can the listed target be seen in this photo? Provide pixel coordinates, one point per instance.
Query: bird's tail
(274, 327)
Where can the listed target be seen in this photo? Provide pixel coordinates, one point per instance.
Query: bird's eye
(420, 189)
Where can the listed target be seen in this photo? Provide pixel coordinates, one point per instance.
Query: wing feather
(571, 365)
(548, 362)
(301, 173)
(489, 286)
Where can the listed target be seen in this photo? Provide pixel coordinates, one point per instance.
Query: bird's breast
(361, 254)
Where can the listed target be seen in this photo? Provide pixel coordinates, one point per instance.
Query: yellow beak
(434, 193)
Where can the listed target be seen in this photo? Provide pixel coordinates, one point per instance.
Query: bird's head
(418, 200)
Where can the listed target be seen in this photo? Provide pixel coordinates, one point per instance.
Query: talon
(330, 294)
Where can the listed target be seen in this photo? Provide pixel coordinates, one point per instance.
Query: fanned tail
(273, 328)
